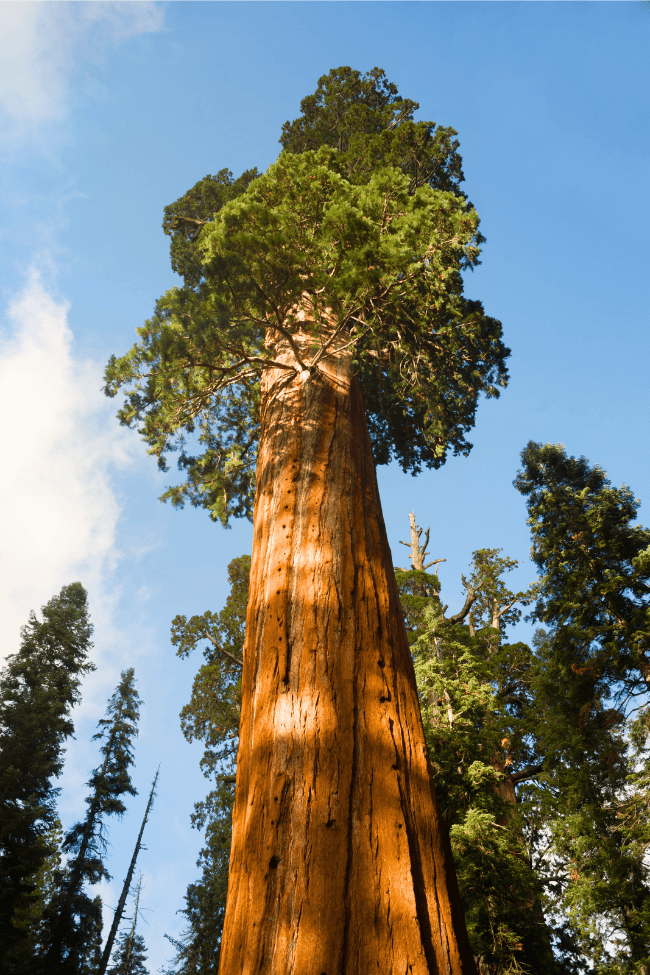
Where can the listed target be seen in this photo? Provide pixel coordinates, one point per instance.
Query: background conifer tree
(38, 688)
(212, 716)
(130, 955)
(475, 694)
(594, 598)
(126, 886)
(72, 918)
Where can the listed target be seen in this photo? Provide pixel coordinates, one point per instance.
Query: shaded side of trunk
(340, 863)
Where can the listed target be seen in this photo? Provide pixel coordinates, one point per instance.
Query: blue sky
(110, 111)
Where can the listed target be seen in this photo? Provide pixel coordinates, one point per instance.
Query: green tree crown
(375, 262)
(594, 563)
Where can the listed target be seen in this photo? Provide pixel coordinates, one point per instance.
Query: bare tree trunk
(340, 863)
(129, 948)
(108, 947)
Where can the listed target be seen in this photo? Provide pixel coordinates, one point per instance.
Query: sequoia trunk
(340, 863)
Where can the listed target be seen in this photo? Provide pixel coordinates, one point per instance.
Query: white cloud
(41, 45)
(60, 441)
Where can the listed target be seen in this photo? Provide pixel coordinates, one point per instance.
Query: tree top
(371, 264)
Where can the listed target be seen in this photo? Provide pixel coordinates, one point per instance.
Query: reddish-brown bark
(340, 863)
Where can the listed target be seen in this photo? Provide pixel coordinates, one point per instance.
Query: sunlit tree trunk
(339, 862)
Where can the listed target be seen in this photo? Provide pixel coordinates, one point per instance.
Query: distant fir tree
(130, 954)
(212, 716)
(594, 599)
(38, 688)
(72, 918)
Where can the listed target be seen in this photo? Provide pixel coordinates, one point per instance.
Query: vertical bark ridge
(339, 863)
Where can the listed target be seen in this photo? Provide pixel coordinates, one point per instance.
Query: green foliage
(370, 126)
(594, 598)
(494, 605)
(29, 917)
(418, 591)
(71, 915)
(212, 716)
(375, 256)
(475, 696)
(184, 219)
(130, 956)
(38, 688)
(205, 900)
(595, 565)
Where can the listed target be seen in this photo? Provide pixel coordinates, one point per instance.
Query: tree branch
(529, 772)
(217, 646)
(469, 602)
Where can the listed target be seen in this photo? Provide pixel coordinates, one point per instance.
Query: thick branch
(435, 562)
(469, 602)
(217, 646)
(529, 772)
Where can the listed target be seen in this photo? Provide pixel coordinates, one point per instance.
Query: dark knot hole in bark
(273, 862)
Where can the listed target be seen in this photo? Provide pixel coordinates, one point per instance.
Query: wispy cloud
(42, 44)
(60, 443)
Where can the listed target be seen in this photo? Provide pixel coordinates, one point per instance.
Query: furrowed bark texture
(340, 863)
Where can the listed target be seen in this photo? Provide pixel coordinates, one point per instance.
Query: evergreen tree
(130, 955)
(100, 968)
(212, 716)
(594, 564)
(38, 688)
(475, 694)
(30, 918)
(326, 282)
(72, 916)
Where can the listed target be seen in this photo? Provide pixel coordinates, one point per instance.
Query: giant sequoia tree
(323, 317)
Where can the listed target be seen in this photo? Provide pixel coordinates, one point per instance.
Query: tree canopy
(594, 562)
(591, 688)
(355, 242)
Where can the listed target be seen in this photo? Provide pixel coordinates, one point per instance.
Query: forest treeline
(50, 923)
(539, 752)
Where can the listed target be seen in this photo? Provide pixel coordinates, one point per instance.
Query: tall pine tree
(38, 688)
(594, 563)
(336, 277)
(72, 916)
